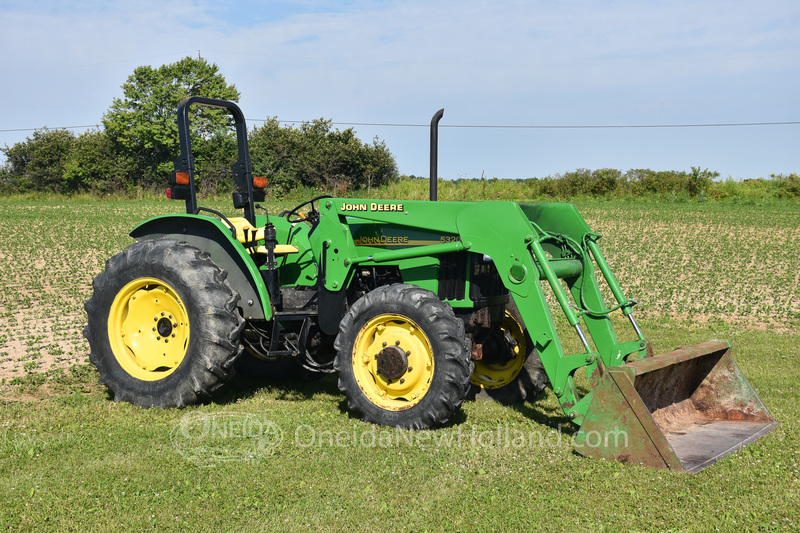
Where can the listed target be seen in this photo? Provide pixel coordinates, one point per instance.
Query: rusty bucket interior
(682, 410)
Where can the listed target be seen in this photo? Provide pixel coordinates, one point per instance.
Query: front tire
(163, 324)
(402, 358)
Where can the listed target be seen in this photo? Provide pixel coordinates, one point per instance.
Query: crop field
(685, 262)
(706, 261)
(72, 459)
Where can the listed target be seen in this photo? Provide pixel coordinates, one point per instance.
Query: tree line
(138, 141)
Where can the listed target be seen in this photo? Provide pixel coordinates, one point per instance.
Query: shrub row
(672, 186)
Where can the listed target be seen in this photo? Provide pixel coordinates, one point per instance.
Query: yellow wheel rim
(393, 362)
(148, 329)
(494, 376)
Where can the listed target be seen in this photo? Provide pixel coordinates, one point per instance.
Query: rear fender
(213, 236)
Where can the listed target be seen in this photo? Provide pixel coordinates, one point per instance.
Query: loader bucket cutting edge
(682, 410)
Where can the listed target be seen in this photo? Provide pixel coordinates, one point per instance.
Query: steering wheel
(294, 215)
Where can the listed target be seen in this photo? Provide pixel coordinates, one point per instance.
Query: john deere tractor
(415, 304)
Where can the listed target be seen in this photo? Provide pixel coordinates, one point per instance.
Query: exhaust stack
(434, 174)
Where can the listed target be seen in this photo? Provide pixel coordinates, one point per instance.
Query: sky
(530, 88)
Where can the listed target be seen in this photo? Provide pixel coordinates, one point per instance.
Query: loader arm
(531, 259)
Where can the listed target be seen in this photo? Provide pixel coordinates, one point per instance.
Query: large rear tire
(402, 358)
(519, 379)
(163, 324)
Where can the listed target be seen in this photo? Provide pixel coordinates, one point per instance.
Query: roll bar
(243, 197)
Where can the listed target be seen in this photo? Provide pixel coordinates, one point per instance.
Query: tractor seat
(249, 236)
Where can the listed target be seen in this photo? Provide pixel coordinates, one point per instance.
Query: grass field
(290, 457)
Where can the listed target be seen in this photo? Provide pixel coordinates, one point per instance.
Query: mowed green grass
(290, 457)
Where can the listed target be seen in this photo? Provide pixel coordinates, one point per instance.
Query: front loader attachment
(681, 410)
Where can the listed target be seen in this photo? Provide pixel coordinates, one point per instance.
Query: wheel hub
(392, 362)
(500, 347)
(165, 326)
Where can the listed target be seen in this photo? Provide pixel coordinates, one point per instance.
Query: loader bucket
(681, 410)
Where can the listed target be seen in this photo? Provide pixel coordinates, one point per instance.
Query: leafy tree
(644, 182)
(214, 163)
(699, 181)
(316, 155)
(605, 181)
(274, 152)
(38, 162)
(142, 124)
(381, 168)
(787, 186)
(94, 165)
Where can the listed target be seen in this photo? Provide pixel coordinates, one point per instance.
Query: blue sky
(501, 63)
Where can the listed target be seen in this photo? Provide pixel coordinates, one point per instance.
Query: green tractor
(417, 305)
